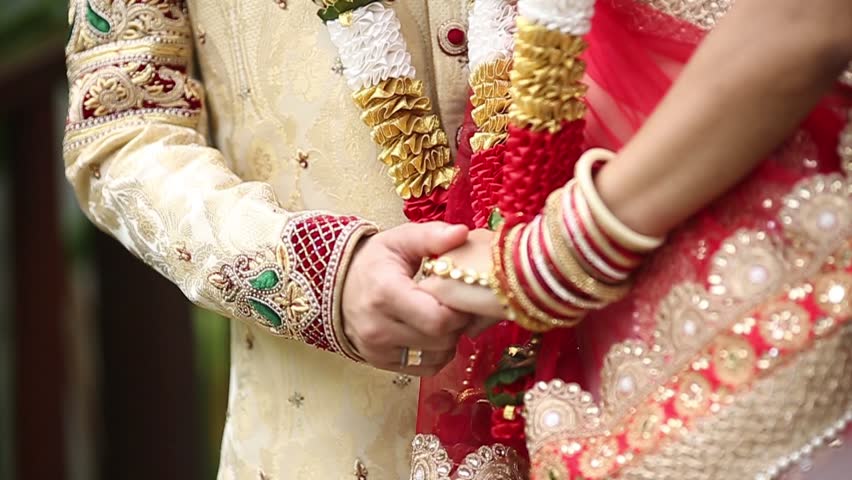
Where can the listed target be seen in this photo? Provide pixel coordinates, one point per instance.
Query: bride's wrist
(623, 194)
(574, 257)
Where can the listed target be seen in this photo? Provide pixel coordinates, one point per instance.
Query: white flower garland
(572, 17)
(371, 48)
(491, 31)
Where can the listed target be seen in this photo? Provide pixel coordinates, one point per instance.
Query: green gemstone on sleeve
(98, 22)
(266, 312)
(340, 7)
(265, 281)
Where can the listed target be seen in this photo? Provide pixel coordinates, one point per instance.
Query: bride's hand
(475, 254)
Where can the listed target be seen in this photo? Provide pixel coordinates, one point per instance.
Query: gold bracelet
(617, 230)
(565, 260)
(444, 267)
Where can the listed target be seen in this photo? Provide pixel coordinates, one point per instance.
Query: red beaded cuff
(294, 289)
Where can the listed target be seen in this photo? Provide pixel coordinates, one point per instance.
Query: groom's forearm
(747, 87)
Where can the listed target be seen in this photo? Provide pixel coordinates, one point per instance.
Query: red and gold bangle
(611, 251)
(535, 291)
(605, 219)
(502, 286)
(518, 292)
(599, 266)
(551, 276)
(566, 260)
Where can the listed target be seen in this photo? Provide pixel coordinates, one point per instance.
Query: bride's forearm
(749, 84)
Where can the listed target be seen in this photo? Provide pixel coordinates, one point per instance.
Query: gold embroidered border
(784, 413)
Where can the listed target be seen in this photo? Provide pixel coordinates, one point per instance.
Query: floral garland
(377, 66)
(533, 155)
(546, 116)
(528, 109)
(490, 46)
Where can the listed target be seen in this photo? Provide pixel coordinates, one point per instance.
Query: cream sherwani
(258, 219)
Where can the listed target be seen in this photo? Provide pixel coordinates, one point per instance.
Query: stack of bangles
(574, 257)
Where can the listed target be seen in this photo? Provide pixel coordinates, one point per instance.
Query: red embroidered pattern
(291, 289)
(317, 244)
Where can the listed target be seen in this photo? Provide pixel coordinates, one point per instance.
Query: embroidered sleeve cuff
(294, 289)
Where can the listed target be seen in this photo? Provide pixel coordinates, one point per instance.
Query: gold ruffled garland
(413, 144)
(491, 101)
(546, 86)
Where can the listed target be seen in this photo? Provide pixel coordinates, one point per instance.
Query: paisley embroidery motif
(264, 287)
(629, 368)
(748, 265)
(685, 319)
(128, 64)
(98, 22)
(429, 460)
(816, 210)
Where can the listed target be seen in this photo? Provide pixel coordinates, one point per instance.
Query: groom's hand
(384, 310)
(474, 254)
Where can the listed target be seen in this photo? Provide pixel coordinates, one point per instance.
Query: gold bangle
(518, 295)
(535, 286)
(600, 240)
(504, 294)
(555, 285)
(566, 261)
(444, 267)
(617, 230)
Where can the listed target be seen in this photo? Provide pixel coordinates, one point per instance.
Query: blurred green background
(83, 373)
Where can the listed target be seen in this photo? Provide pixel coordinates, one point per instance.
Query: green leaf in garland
(265, 281)
(266, 312)
(340, 7)
(98, 22)
(495, 220)
(506, 376)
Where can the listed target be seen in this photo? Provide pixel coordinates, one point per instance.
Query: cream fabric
(287, 139)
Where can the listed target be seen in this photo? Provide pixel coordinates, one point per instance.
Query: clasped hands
(388, 315)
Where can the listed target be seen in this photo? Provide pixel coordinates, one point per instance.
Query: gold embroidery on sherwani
(292, 103)
(264, 286)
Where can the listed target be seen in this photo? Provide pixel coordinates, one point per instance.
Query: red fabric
(459, 207)
(318, 241)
